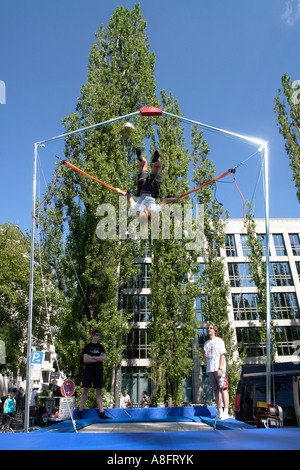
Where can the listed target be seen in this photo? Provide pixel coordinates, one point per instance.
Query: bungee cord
(70, 165)
(214, 180)
(244, 209)
(69, 256)
(149, 111)
(46, 304)
(48, 195)
(207, 183)
(50, 329)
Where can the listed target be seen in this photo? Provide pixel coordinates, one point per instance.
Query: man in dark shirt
(93, 355)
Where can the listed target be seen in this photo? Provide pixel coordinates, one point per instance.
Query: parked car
(285, 392)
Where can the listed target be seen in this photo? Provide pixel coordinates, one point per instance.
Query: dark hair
(94, 332)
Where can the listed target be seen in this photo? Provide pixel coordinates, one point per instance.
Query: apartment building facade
(284, 266)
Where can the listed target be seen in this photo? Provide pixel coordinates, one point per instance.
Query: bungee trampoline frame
(150, 111)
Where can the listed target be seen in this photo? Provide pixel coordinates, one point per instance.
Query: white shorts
(145, 202)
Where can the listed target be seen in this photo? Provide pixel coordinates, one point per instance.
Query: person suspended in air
(148, 188)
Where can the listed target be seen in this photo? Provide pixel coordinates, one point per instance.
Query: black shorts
(92, 379)
(148, 183)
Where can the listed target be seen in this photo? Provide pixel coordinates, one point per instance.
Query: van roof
(280, 368)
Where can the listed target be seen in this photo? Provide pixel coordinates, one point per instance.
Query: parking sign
(37, 357)
(36, 364)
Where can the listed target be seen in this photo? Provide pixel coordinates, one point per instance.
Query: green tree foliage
(91, 271)
(287, 108)
(257, 269)
(257, 265)
(173, 324)
(214, 289)
(14, 290)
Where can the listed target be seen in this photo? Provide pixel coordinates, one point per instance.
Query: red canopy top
(150, 111)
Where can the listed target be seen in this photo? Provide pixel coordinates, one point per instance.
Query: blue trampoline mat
(248, 439)
(188, 413)
(135, 415)
(229, 434)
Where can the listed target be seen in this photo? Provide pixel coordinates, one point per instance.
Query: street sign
(36, 362)
(68, 388)
(66, 407)
(37, 357)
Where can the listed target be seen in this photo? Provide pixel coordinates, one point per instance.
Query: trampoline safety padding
(211, 434)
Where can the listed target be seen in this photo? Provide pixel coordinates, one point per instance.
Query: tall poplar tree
(14, 275)
(257, 269)
(90, 270)
(287, 108)
(214, 289)
(173, 324)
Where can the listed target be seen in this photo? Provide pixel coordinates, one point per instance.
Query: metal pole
(252, 140)
(100, 124)
(264, 148)
(268, 299)
(212, 128)
(30, 306)
(29, 326)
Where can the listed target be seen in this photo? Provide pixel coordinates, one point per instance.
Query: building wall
(284, 250)
(284, 246)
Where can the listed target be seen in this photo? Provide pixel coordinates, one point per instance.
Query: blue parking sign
(36, 357)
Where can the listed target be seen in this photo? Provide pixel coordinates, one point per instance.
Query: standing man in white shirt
(215, 353)
(126, 399)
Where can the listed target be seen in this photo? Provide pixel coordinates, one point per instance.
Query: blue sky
(222, 60)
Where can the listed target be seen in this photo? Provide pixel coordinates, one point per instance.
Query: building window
(198, 275)
(288, 338)
(137, 344)
(298, 268)
(230, 245)
(281, 275)
(135, 380)
(245, 247)
(279, 244)
(138, 306)
(239, 275)
(199, 301)
(250, 341)
(285, 305)
(245, 306)
(295, 243)
(263, 242)
(202, 336)
(141, 281)
(187, 390)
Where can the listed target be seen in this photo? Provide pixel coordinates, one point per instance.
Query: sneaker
(225, 415)
(104, 416)
(155, 156)
(138, 152)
